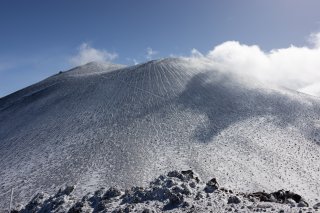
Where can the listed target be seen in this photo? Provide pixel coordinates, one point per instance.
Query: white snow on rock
(102, 125)
(175, 192)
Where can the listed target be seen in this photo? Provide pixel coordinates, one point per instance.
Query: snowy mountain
(102, 124)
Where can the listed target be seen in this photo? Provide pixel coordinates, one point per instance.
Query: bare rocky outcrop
(174, 192)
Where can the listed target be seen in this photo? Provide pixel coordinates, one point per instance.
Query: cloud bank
(87, 54)
(294, 67)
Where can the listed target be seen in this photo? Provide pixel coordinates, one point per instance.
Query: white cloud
(315, 39)
(294, 67)
(313, 89)
(133, 60)
(196, 54)
(150, 53)
(88, 54)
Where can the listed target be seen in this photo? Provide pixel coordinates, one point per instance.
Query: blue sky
(38, 38)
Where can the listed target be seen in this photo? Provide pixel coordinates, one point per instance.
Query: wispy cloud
(87, 54)
(133, 61)
(313, 89)
(294, 67)
(150, 53)
(314, 39)
(196, 54)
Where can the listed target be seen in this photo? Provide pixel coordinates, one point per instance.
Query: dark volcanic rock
(211, 186)
(280, 196)
(111, 193)
(234, 199)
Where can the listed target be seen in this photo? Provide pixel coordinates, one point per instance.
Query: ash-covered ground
(175, 192)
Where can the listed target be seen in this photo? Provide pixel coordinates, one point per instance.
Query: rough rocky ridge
(175, 192)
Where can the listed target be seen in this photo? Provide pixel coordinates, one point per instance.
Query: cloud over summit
(294, 67)
(150, 53)
(87, 54)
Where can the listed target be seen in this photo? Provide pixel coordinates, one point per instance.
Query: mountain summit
(104, 125)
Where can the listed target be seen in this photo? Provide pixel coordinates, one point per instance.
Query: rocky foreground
(175, 192)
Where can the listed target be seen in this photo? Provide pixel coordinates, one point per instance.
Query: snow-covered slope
(105, 125)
